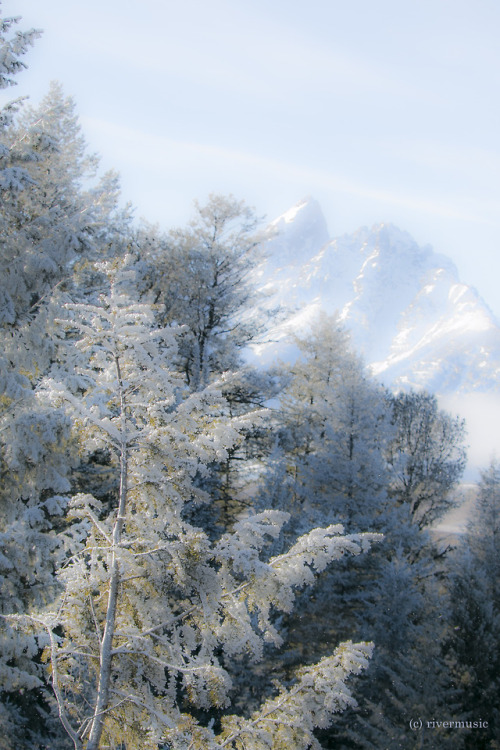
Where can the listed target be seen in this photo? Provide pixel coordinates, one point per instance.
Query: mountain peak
(298, 233)
(403, 303)
(415, 323)
(306, 210)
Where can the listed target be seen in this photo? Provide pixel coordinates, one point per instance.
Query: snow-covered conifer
(475, 613)
(427, 455)
(330, 460)
(150, 607)
(201, 278)
(47, 222)
(332, 431)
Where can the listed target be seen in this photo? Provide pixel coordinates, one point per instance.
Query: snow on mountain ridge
(298, 234)
(403, 304)
(417, 325)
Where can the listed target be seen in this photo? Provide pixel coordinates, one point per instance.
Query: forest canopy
(195, 552)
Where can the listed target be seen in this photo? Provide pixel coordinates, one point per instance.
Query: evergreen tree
(332, 430)
(48, 222)
(330, 457)
(150, 608)
(13, 46)
(475, 616)
(201, 278)
(57, 219)
(427, 456)
(33, 453)
(328, 467)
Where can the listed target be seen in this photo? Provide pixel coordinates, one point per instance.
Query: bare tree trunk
(106, 655)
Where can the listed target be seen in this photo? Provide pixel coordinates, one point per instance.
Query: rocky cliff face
(414, 321)
(416, 324)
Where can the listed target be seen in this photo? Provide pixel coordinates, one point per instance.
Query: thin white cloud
(164, 156)
(469, 158)
(224, 46)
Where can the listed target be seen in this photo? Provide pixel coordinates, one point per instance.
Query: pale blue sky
(382, 110)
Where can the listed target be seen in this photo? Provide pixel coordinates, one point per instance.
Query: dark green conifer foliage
(473, 643)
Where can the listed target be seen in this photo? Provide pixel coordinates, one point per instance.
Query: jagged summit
(411, 317)
(299, 233)
(408, 312)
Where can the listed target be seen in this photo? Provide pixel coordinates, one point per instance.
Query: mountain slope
(408, 313)
(416, 324)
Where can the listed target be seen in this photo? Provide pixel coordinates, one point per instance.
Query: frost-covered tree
(327, 466)
(151, 612)
(427, 455)
(334, 430)
(483, 533)
(475, 614)
(201, 278)
(13, 46)
(33, 454)
(405, 619)
(34, 468)
(47, 225)
(56, 219)
(49, 220)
